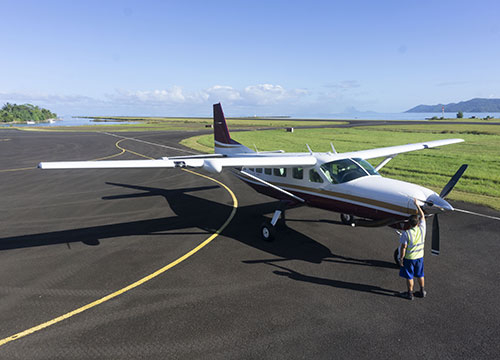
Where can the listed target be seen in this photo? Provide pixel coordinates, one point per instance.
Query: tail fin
(222, 139)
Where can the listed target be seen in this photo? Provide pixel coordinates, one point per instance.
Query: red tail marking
(221, 132)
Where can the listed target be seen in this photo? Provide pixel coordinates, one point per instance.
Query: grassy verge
(431, 168)
(476, 120)
(181, 124)
(200, 143)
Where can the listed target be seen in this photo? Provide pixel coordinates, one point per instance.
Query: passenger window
(251, 169)
(298, 173)
(259, 170)
(268, 171)
(279, 172)
(314, 176)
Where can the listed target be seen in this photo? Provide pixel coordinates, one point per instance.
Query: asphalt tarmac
(321, 290)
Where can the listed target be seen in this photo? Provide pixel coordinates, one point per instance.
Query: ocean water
(70, 121)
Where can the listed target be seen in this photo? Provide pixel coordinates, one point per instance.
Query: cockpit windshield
(341, 171)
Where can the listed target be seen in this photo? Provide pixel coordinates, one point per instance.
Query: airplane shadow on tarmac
(195, 212)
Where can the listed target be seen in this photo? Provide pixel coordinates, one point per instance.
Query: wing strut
(272, 186)
(384, 162)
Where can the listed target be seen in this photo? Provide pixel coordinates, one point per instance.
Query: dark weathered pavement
(321, 290)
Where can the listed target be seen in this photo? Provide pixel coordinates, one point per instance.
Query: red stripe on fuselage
(327, 203)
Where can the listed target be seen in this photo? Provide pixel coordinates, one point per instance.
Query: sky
(297, 58)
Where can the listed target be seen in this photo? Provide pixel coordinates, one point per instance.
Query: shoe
(422, 293)
(407, 295)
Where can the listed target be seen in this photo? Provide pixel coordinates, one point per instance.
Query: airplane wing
(394, 150)
(214, 164)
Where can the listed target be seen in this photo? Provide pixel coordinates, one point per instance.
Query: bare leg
(421, 282)
(409, 284)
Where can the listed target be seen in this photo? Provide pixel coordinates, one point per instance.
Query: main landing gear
(268, 228)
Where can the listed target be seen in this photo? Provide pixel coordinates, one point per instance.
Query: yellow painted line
(20, 169)
(103, 158)
(133, 152)
(112, 156)
(4, 139)
(137, 283)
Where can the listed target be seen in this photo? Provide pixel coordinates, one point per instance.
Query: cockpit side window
(341, 171)
(367, 166)
(331, 172)
(314, 176)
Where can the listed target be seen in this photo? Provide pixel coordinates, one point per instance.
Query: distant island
(13, 113)
(474, 105)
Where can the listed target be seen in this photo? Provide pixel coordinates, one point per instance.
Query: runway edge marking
(139, 282)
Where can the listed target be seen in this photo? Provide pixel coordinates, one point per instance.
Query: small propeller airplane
(341, 182)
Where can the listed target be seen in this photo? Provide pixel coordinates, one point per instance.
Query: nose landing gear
(347, 219)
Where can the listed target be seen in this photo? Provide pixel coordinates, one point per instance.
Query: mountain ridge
(472, 105)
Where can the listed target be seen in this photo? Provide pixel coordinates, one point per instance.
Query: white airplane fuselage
(369, 196)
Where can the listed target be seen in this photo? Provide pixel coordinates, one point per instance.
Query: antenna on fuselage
(333, 148)
(308, 148)
(255, 146)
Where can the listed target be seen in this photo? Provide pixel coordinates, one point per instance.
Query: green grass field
(181, 124)
(482, 121)
(431, 168)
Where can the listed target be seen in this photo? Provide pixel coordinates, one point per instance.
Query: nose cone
(438, 203)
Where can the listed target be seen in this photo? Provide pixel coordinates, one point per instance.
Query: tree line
(24, 113)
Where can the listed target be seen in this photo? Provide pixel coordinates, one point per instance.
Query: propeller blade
(435, 236)
(451, 184)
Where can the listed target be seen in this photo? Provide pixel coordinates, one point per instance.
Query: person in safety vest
(411, 253)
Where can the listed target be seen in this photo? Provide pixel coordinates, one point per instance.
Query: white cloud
(266, 94)
(252, 95)
(222, 93)
(260, 98)
(174, 95)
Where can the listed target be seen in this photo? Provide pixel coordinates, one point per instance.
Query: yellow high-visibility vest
(415, 246)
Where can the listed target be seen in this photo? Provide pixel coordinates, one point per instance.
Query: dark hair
(413, 220)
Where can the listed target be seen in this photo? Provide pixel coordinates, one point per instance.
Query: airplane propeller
(435, 223)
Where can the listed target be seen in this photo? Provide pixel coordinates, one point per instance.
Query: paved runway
(321, 290)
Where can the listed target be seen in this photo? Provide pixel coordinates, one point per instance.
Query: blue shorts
(412, 268)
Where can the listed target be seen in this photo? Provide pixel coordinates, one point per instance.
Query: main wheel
(396, 256)
(267, 231)
(347, 219)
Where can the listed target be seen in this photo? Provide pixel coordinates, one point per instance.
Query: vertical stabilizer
(222, 139)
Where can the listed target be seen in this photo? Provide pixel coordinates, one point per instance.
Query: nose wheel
(347, 219)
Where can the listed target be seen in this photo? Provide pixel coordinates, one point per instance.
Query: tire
(267, 232)
(347, 219)
(396, 256)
